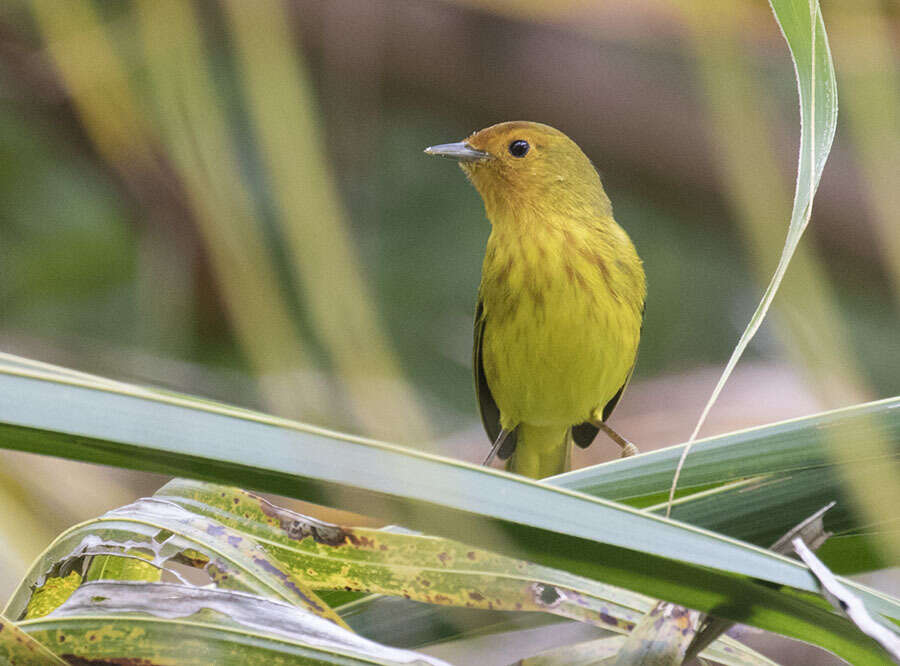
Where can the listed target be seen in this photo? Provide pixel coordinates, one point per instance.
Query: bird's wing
(584, 433)
(490, 413)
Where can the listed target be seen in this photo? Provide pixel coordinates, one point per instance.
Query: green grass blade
(786, 446)
(142, 429)
(742, 118)
(804, 30)
(756, 484)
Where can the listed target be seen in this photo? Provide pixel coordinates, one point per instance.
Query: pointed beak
(460, 151)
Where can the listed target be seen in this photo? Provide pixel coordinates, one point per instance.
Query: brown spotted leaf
(165, 624)
(17, 648)
(421, 568)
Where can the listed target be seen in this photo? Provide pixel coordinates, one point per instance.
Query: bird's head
(524, 165)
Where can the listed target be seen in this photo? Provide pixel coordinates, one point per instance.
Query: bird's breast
(562, 321)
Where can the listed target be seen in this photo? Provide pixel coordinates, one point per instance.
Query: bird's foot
(628, 448)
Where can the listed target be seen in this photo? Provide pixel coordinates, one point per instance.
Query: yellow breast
(563, 308)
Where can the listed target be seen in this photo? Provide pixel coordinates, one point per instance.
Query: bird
(561, 301)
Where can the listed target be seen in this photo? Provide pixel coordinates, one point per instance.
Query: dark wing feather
(490, 413)
(584, 433)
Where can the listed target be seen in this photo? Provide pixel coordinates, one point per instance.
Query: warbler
(561, 301)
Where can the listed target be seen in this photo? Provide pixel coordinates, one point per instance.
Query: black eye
(518, 148)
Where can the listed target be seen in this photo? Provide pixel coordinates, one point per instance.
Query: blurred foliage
(75, 247)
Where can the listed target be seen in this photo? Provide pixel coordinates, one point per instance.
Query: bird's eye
(518, 148)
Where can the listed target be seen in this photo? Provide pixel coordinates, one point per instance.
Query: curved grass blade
(742, 118)
(165, 623)
(803, 28)
(160, 534)
(139, 428)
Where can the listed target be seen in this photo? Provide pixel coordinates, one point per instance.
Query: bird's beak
(460, 151)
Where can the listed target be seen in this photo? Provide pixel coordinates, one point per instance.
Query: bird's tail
(540, 451)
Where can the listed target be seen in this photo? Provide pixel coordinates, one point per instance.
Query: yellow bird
(561, 300)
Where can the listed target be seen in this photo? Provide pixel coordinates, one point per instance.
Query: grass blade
(743, 123)
(757, 483)
(846, 602)
(804, 30)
